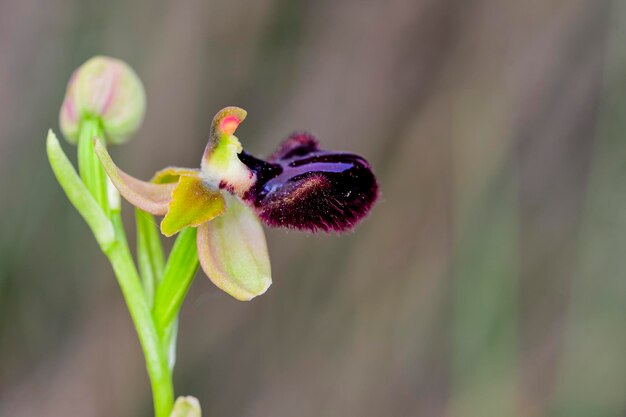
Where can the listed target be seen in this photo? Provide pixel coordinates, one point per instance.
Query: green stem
(89, 167)
(153, 306)
(156, 356)
(156, 359)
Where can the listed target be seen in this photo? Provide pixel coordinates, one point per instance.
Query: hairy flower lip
(306, 188)
(297, 144)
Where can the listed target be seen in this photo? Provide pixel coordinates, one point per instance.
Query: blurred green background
(488, 281)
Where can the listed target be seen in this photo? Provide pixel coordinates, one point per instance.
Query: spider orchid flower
(299, 187)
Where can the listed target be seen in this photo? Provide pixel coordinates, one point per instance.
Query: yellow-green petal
(233, 252)
(149, 197)
(192, 204)
(171, 174)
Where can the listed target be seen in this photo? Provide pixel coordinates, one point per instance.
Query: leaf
(180, 269)
(78, 194)
(149, 253)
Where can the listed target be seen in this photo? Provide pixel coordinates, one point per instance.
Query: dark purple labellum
(304, 187)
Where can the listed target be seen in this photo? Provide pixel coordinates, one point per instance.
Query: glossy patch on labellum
(307, 188)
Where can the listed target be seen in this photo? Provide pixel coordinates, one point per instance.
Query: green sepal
(147, 196)
(233, 252)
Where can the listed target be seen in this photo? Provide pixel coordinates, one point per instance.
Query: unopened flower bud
(186, 407)
(108, 89)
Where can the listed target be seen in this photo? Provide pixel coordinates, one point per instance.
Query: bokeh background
(488, 281)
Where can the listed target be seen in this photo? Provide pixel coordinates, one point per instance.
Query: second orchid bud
(107, 89)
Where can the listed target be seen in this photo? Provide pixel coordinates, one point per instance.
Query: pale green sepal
(233, 252)
(147, 196)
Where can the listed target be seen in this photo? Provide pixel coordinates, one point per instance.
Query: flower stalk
(89, 167)
(156, 356)
(110, 234)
